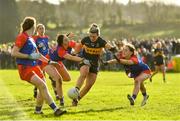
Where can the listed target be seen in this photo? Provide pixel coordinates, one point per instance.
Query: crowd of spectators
(144, 47)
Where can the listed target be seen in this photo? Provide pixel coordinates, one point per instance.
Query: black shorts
(93, 68)
(159, 60)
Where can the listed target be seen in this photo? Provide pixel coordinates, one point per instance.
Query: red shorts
(26, 72)
(147, 71)
(44, 64)
(61, 63)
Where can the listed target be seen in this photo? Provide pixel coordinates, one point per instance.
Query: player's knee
(56, 77)
(67, 79)
(137, 82)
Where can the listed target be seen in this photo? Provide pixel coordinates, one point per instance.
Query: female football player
(92, 46)
(134, 68)
(42, 44)
(159, 61)
(26, 53)
(61, 53)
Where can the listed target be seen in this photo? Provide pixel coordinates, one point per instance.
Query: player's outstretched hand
(113, 50)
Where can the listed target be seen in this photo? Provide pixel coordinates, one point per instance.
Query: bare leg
(163, 70)
(138, 82)
(90, 80)
(54, 74)
(84, 70)
(154, 73)
(41, 85)
(63, 72)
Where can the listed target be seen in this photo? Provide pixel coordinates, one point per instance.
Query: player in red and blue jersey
(26, 53)
(134, 68)
(64, 45)
(42, 44)
(62, 52)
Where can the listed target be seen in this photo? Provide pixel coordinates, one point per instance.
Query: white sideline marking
(8, 101)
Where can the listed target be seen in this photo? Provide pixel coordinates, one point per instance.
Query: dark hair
(131, 48)
(94, 29)
(27, 23)
(60, 39)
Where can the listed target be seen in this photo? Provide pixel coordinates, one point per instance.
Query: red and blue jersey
(138, 67)
(42, 44)
(27, 46)
(59, 53)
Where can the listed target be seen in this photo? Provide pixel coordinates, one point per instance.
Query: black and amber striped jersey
(92, 50)
(158, 52)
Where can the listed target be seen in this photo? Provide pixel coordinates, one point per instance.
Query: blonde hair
(37, 27)
(94, 28)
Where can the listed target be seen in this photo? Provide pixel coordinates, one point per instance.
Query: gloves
(86, 62)
(34, 56)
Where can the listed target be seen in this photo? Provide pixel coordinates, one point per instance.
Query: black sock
(62, 98)
(35, 92)
(38, 108)
(144, 94)
(79, 97)
(55, 92)
(134, 96)
(164, 79)
(77, 88)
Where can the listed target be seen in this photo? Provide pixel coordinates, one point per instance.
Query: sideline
(9, 107)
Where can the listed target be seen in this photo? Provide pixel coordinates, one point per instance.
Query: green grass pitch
(106, 100)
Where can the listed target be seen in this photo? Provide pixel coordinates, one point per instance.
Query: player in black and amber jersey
(159, 61)
(92, 46)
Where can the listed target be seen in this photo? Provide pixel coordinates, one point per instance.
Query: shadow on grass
(97, 110)
(87, 111)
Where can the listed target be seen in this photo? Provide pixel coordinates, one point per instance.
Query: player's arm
(113, 61)
(16, 53)
(121, 61)
(126, 62)
(111, 48)
(77, 59)
(73, 58)
(44, 59)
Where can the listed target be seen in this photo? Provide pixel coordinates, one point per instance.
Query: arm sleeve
(103, 43)
(134, 59)
(72, 44)
(61, 52)
(83, 41)
(20, 41)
